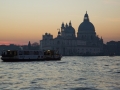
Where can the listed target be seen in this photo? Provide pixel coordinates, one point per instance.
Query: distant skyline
(22, 21)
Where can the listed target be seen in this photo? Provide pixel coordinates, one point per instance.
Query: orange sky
(27, 20)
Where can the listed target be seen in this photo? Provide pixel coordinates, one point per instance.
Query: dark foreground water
(71, 73)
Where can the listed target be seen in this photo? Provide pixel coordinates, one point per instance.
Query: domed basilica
(86, 42)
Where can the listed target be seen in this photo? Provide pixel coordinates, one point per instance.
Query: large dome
(86, 25)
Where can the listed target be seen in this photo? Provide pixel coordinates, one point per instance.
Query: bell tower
(62, 29)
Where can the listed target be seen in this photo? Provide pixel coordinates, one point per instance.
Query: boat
(30, 55)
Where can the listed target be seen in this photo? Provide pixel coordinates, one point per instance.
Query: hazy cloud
(112, 2)
(113, 19)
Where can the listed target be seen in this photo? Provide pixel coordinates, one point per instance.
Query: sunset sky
(27, 20)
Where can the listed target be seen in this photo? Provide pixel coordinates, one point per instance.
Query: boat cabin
(9, 53)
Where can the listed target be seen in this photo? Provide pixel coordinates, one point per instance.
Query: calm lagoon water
(71, 73)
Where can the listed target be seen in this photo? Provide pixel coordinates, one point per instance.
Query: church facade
(86, 42)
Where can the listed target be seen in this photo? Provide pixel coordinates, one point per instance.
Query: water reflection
(71, 73)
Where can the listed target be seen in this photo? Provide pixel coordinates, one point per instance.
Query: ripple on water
(117, 72)
(61, 62)
(83, 88)
(32, 88)
(36, 80)
(117, 64)
(106, 65)
(80, 79)
(71, 73)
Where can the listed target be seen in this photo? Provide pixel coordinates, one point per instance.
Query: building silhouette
(29, 46)
(67, 42)
(86, 42)
(112, 47)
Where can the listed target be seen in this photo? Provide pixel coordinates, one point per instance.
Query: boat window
(40, 52)
(30, 52)
(20, 53)
(3, 53)
(26, 52)
(49, 52)
(8, 52)
(15, 53)
(36, 52)
(12, 53)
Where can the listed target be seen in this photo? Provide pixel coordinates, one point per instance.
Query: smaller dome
(70, 29)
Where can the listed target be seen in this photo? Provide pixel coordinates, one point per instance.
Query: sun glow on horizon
(12, 42)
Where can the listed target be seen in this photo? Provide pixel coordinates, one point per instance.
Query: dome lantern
(86, 17)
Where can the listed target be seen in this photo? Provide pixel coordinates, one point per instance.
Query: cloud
(112, 2)
(11, 42)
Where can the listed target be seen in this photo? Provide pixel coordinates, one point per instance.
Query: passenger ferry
(30, 55)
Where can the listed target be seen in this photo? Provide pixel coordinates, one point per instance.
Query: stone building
(86, 42)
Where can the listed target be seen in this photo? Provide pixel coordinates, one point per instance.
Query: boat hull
(28, 60)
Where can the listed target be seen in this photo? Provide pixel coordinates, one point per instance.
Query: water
(71, 73)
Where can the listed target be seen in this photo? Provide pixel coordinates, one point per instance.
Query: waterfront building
(113, 47)
(86, 42)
